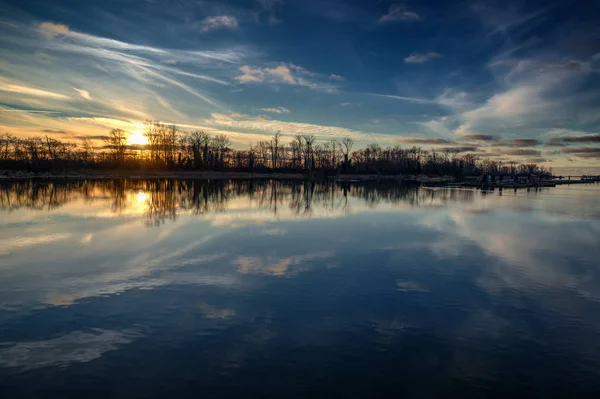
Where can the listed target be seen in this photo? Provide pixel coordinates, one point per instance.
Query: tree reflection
(164, 199)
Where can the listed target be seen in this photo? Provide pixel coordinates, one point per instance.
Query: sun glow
(141, 197)
(137, 138)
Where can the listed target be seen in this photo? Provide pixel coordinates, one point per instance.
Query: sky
(506, 80)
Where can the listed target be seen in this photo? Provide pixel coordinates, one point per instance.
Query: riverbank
(121, 174)
(212, 175)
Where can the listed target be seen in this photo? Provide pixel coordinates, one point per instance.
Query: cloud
(513, 103)
(583, 152)
(398, 13)
(289, 129)
(51, 29)
(133, 71)
(83, 93)
(283, 73)
(588, 138)
(279, 266)
(74, 347)
(456, 100)
(506, 18)
(279, 74)
(268, 10)
(518, 143)
(250, 75)
(278, 110)
(415, 100)
(459, 149)
(417, 58)
(30, 91)
(480, 137)
(336, 77)
(537, 160)
(288, 74)
(424, 141)
(521, 152)
(99, 137)
(29, 111)
(544, 90)
(219, 22)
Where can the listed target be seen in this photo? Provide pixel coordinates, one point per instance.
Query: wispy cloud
(415, 100)
(399, 13)
(268, 10)
(30, 111)
(458, 149)
(50, 29)
(422, 141)
(288, 74)
(289, 129)
(219, 22)
(521, 152)
(29, 91)
(417, 58)
(507, 18)
(149, 66)
(83, 93)
(480, 137)
(339, 78)
(75, 347)
(583, 152)
(587, 138)
(278, 110)
(518, 143)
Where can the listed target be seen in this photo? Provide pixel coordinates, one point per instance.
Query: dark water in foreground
(191, 289)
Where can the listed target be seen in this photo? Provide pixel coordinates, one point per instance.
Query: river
(167, 288)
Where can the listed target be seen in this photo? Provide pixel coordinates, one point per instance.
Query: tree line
(169, 148)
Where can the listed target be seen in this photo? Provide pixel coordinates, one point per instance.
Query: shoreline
(213, 175)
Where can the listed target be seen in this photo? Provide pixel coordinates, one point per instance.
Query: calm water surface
(221, 289)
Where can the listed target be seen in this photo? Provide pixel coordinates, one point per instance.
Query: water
(222, 289)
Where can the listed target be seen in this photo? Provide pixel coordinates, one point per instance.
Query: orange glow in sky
(136, 137)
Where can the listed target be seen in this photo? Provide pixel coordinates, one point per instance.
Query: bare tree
(309, 141)
(275, 144)
(221, 145)
(88, 151)
(347, 144)
(116, 142)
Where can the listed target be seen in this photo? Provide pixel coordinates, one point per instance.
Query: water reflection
(262, 287)
(162, 200)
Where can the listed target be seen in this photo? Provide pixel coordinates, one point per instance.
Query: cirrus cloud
(277, 110)
(83, 93)
(417, 58)
(399, 13)
(288, 74)
(51, 29)
(219, 22)
(583, 152)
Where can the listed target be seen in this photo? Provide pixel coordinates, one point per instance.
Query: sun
(141, 197)
(137, 138)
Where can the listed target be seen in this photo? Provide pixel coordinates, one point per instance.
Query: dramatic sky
(509, 80)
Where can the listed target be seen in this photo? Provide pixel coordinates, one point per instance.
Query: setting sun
(137, 138)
